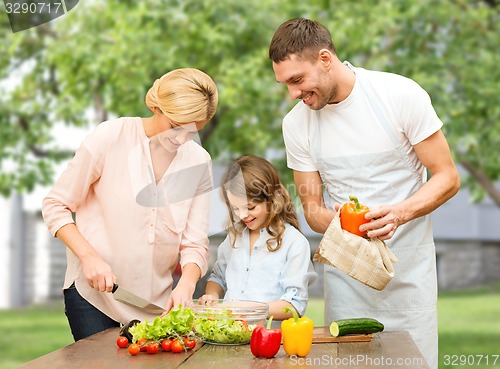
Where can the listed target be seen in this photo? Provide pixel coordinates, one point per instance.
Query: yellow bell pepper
(297, 334)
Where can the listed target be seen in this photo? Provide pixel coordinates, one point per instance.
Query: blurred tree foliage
(102, 57)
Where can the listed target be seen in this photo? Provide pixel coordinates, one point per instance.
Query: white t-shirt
(351, 127)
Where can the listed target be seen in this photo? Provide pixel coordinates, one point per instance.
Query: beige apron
(409, 301)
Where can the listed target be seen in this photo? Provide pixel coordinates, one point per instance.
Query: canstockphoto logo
(27, 14)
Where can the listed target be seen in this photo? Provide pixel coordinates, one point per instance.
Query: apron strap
(367, 88)
(369, 91)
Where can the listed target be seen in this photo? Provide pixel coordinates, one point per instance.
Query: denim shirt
(263, 275)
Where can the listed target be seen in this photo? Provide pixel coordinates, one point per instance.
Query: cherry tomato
(142, 344)
(189, 344)
(122, 342)
(176, 346)
(134, 349)
(152, 348)
(166, 345)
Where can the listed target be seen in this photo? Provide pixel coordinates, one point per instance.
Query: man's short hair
(300, 36)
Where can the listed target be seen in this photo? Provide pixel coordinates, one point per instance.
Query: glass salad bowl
(227, 322)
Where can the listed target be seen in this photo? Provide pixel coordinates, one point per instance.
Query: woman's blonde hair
(257, 179)
(185, 95)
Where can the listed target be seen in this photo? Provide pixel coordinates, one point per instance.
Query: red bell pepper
(265, 342)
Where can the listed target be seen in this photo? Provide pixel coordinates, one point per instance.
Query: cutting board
(322, 335)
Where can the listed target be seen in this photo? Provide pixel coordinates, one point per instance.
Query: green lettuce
(223, 328)
(177, 322)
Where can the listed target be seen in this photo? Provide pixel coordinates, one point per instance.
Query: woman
(139, 189)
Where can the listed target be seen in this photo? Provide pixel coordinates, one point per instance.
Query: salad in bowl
(227, 322)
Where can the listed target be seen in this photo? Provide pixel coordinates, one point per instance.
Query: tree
(103, 56)
(451, 49)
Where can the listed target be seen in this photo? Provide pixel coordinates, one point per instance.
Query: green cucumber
(355, 326)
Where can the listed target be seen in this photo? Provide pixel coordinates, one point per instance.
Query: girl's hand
(208, 299)
(98, 273)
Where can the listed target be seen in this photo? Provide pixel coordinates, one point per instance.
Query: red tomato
(176, 346)
(142, 344)
(189, 344)
(134, 349)
(152, 348)
(166, 345)
(122, 342)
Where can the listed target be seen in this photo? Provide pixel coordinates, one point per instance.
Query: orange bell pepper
(352, 215)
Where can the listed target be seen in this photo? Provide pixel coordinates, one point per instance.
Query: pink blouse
(140, 227)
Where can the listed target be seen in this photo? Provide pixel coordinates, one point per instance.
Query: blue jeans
(84, 319)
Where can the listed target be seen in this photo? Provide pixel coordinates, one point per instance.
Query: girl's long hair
(257, 179)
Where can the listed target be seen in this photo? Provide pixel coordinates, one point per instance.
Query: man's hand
(385, 220)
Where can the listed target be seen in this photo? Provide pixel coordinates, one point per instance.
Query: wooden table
(386, 349)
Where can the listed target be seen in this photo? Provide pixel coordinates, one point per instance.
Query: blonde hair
(185, 95)
(257, 179)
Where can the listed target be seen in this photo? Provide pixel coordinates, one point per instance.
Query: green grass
(315, 311)
(26, 334)
(469, 324)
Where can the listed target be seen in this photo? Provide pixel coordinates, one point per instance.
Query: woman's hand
(181, 294)
(184, 290)
(98, 273)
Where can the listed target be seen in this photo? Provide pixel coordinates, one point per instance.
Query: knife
(131, 299)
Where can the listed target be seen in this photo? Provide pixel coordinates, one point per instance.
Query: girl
(264, 256)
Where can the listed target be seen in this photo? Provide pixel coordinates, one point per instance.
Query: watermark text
(356, 360)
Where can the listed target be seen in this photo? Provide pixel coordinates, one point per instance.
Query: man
(369, 134)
